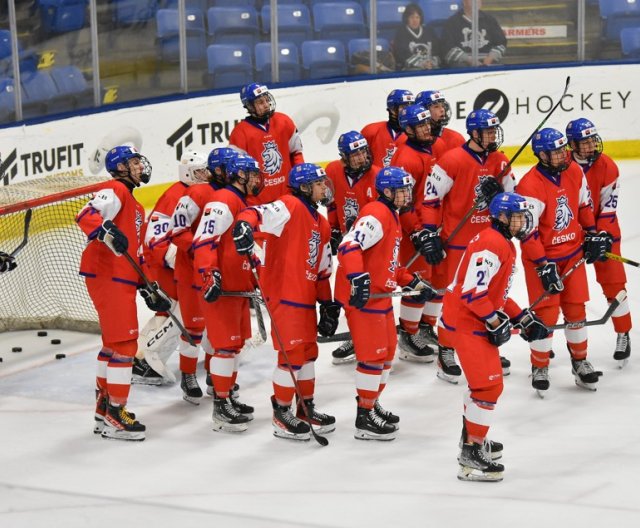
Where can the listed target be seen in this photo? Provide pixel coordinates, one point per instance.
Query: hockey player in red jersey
(227, 318)
(602, 178)
(368, 258)
(382, 135)
(295, 277)
(565, 231)
(462, 178)
(270, 137)
(438, 106)
(184, 221)
(479, 315)
(353, 178)
(112, 220)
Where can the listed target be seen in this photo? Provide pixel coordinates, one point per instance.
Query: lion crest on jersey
(482, 203)
(386, 161)
(314, 249)
(350, 209)
(394, 259)
(563, 214)
(271, 158)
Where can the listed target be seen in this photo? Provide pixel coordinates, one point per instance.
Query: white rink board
(322, 112)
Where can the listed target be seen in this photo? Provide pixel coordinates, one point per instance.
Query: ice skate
(370, 426)
(476, 465)
(387, 416)
(226, 418)
(191, 391)
(413, 347)
(623, 349)
(120, 424)
(584, 374)
(540, 380)
(143, 374)
(323, 423)
(101, 410)
(242, 408)
(506, 366)
(448, 369)
(286, 425)
(428, 335)
(345, 353)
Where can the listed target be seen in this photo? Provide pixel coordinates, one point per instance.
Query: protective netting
(45, 290)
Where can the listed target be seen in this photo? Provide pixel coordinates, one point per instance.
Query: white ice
(571, 459)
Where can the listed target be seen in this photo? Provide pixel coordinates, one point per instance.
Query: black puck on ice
(55, 341)
(60, 356)
(42, 333)
(0, 360)
(16, 349)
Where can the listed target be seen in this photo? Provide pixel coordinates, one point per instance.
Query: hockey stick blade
(25, 237)
(335, 338)
(607, 315)
(249, 294)
(624, 260)
(259, 318)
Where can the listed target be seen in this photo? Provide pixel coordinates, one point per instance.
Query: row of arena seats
(59, 89)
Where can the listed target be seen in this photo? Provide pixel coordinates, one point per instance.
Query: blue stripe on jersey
(566, 257)
(298, 305)
(371, 310)
(125, 281)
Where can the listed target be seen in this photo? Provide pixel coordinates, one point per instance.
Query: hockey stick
(249, 294)
(25, 238)
(156, 287)
(320, 439)
(504, 171)
(259, 319)
(335, 338)
(622, 259)
(607, 315)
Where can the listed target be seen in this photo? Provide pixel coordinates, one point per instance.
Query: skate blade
(447, 377)
(322, 429)
(406, 356)
(541, 393)
(476, 475)
(224, 427)
(279, 433)
(191, 399)
(622, 363)
(209, 391)
(98, 427)
(506, 371)
(140, 380)
(111, 433)
(367, 435)
(343, 361)
(587, 386)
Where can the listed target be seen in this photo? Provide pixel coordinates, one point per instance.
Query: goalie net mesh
(45, 290)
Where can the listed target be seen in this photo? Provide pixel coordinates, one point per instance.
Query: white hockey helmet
(193, 168)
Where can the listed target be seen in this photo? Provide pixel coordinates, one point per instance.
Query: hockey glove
(329, 314)
(7, 262)
(551, 281)
(596, 245)
(499, 335)
(212, 280)
(489, 188)
(429, 244)
(530, 326)
(155, 298)
(427, 292)
(360, 290)
(336, 238)
(113, 238)
(243, 237)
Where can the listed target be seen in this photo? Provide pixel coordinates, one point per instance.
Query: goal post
(45, 290)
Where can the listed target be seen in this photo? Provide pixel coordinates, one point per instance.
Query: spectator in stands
(415, 46)
(492, 43)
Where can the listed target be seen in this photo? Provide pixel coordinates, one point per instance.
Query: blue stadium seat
(127, 12)
(294, 23)
(389, 17)
(233, 25)
(358, 45)
(40, 95)
(72, 85)
(439, 9)
(62, 16)
(169, 41)
(618, 15)
(28, 58)
(7, 102)
(229, 65)
(338, 21)
(323, 58)
(233, 3)
(289, 61)
(202, 5)
(630, 42)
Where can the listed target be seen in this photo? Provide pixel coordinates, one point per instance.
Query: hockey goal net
(45, 290)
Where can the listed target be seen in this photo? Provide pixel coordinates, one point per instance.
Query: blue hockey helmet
(480, 120)
(349, 143)
(394, 179)
(122, 154)
(248, 95)
(219, 157)
(307, 174)
(398, 98)
(242, 163)
(508, 203)
(547, 141)
(578, 131)
(413, 115)
(427, 98)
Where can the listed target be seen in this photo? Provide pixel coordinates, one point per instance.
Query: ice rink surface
(571, 459)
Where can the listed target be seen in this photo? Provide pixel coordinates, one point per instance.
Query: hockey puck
(42, 333)
(16, 349)
(0, 360)
(60, 356)
(55, 341)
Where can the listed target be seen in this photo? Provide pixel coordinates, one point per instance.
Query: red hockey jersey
(382, 142)
(602, 179)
